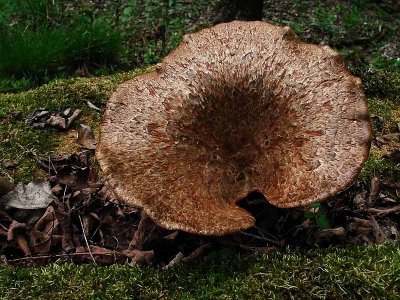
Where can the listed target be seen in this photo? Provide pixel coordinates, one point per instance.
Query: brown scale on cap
(236, 108)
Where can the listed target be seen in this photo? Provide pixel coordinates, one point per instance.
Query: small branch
(39, 162)
(260, 249)
(264, 239)
(384, 212)
(86, 241)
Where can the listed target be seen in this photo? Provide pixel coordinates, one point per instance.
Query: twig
(260, 249)
(266, 233)
(198, 252)
(181, 258)
(91, 105)
(383, 212)
(38, 161)
(264, 239)
(54, 168)
(86, 241)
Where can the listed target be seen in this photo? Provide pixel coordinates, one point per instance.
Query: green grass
(42, 40)
(35, 55)
(350, 273)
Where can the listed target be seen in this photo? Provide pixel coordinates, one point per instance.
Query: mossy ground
(18, 139)
(351, 273)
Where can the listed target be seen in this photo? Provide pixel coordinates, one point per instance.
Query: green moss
(381, 107)
(379, 83)
(18, 139)
(386, 109)
(351, 273)
(60, 94)
(376, 166)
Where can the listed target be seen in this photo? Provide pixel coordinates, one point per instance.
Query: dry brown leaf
(34, 195)
(15, 226)
(23, 244)
(86, 137)
(374, 191)
(379, 234)
(61, 119)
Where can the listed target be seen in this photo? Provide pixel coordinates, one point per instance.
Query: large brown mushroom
(236, 108)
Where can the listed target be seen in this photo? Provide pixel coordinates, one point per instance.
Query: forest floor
(83, 223)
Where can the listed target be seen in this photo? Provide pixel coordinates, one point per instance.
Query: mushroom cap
(236, 108)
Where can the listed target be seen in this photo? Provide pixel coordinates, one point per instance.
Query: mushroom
(236, 108)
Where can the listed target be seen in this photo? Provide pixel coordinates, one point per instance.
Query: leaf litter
(62, 119)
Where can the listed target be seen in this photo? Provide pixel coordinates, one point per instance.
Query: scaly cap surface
(238, 107)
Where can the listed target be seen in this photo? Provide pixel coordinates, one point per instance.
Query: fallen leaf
(34, 195)
(360, 200)
(144, 233)
(175, 261)
(391, 137)
(71, 170)
(38, 118)
(379, 235)
(15, 113)
(40, 242)
(171, 236)
(8, 164)
(14, 227)
(86, 137)
(23, 244)
(338, 233)
(67, 241)
(60, 119)
(97, 254)
(374, 191)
